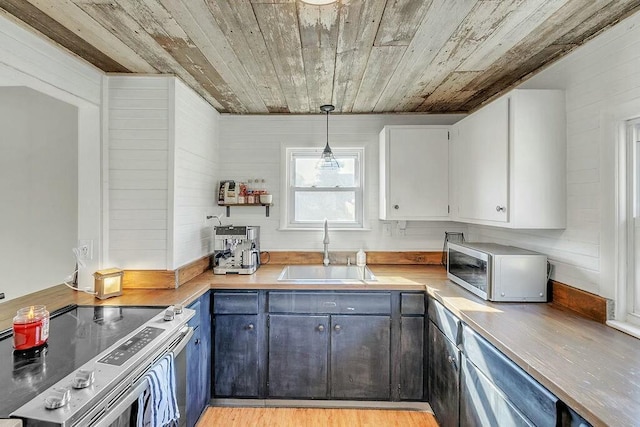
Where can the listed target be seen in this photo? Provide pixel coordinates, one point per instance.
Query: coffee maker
(236, 249)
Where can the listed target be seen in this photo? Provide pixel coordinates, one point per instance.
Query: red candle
(30, 327)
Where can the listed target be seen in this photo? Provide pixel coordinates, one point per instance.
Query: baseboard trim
(328, 404)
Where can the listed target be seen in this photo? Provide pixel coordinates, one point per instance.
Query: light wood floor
(313, 417)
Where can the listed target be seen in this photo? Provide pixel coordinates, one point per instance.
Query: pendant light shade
(328, 160)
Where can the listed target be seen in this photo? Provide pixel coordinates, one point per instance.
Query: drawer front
(330, 303)
(235, 303)
(533, 400)
(482, 404)
(412, 304)
(446, 321)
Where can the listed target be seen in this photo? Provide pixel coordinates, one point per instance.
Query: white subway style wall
(250, 148)
(138, 111)
(31, 61)
(597, 77)
(194, 176)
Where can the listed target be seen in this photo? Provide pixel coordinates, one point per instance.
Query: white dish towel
(157, 405)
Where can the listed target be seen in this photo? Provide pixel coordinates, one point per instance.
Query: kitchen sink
(330, 274)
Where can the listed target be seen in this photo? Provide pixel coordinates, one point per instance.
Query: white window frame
(632, 303)
(627, 301)
(288, 213)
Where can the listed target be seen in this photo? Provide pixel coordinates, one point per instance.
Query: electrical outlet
(85, 250)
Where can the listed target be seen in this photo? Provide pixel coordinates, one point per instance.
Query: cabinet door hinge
(448, 209)
(268, 321)
(448, 135)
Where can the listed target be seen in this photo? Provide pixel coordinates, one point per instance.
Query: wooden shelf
(228, 206)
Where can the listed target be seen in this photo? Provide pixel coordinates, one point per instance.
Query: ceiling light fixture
(328, 160)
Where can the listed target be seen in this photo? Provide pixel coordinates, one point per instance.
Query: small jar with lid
(30, 327)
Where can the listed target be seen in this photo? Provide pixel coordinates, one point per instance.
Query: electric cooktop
(76, 334)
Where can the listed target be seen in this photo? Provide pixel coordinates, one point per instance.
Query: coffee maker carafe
(236, 249)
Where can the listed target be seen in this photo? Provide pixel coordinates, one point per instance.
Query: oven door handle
(187, 332)
(117, 410)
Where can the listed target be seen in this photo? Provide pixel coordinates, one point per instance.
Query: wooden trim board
(165, 279)
(586, 304)
(340, 257)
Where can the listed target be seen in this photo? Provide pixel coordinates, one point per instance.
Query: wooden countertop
(591, 367)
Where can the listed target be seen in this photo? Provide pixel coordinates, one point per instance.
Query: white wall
(139, 171)
(194, 178)
(598, 78)
(162, 161)
(31, 61)
(250, 148)
(39, 188)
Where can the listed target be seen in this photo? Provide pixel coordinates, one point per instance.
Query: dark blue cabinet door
(298, 356)
(199, 361)
(444, 378)
(235, 356)
(412, 358)
(360, 357)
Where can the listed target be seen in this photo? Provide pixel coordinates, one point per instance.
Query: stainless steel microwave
(497, 272)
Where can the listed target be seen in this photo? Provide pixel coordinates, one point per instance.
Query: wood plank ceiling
(287, 56)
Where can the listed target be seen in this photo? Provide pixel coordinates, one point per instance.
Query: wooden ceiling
(287, 56)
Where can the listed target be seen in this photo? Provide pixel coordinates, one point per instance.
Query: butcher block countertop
(591, 367)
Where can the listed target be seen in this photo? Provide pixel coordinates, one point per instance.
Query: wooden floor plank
(313, 417)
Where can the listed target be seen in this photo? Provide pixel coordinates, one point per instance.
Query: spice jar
(30, 327)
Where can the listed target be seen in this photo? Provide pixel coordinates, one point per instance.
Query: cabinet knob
(337, 327)
(321, 328)
(197, 341)
(396, 207)
(452, 361)
(250, 327)
(501, 208)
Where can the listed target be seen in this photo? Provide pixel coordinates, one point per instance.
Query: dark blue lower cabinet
(527, 395)
(483, 404)
(236, 355)
(199, 361)
(298, 364)
(444, 378)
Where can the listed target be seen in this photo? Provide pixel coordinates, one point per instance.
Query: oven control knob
(58, 398)
(177, 309)
(83, 379)
(169, 314)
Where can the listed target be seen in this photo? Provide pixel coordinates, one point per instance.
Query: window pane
(318, 205)
(308, 175)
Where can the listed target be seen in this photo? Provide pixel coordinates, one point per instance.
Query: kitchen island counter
(591, 367)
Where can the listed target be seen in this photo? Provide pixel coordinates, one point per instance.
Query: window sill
(625, 327)
(331, 229)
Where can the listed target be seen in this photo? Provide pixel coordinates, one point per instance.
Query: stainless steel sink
(330, 274)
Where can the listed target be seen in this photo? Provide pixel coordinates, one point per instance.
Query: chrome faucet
(325, 242)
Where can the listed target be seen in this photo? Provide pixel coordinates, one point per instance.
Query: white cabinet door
(414, 173)
(483, 163)
(508, 162)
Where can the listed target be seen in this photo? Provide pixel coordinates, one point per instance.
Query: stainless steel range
(104, 389)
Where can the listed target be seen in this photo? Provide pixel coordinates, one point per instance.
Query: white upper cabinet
(414, 173)
(508, 162)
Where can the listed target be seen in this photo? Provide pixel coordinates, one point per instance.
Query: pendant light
(328, 160)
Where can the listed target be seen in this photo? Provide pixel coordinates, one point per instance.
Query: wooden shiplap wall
(34, 61)
(139, 172)
(250, 148)
(598, 77)
(194, 180)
